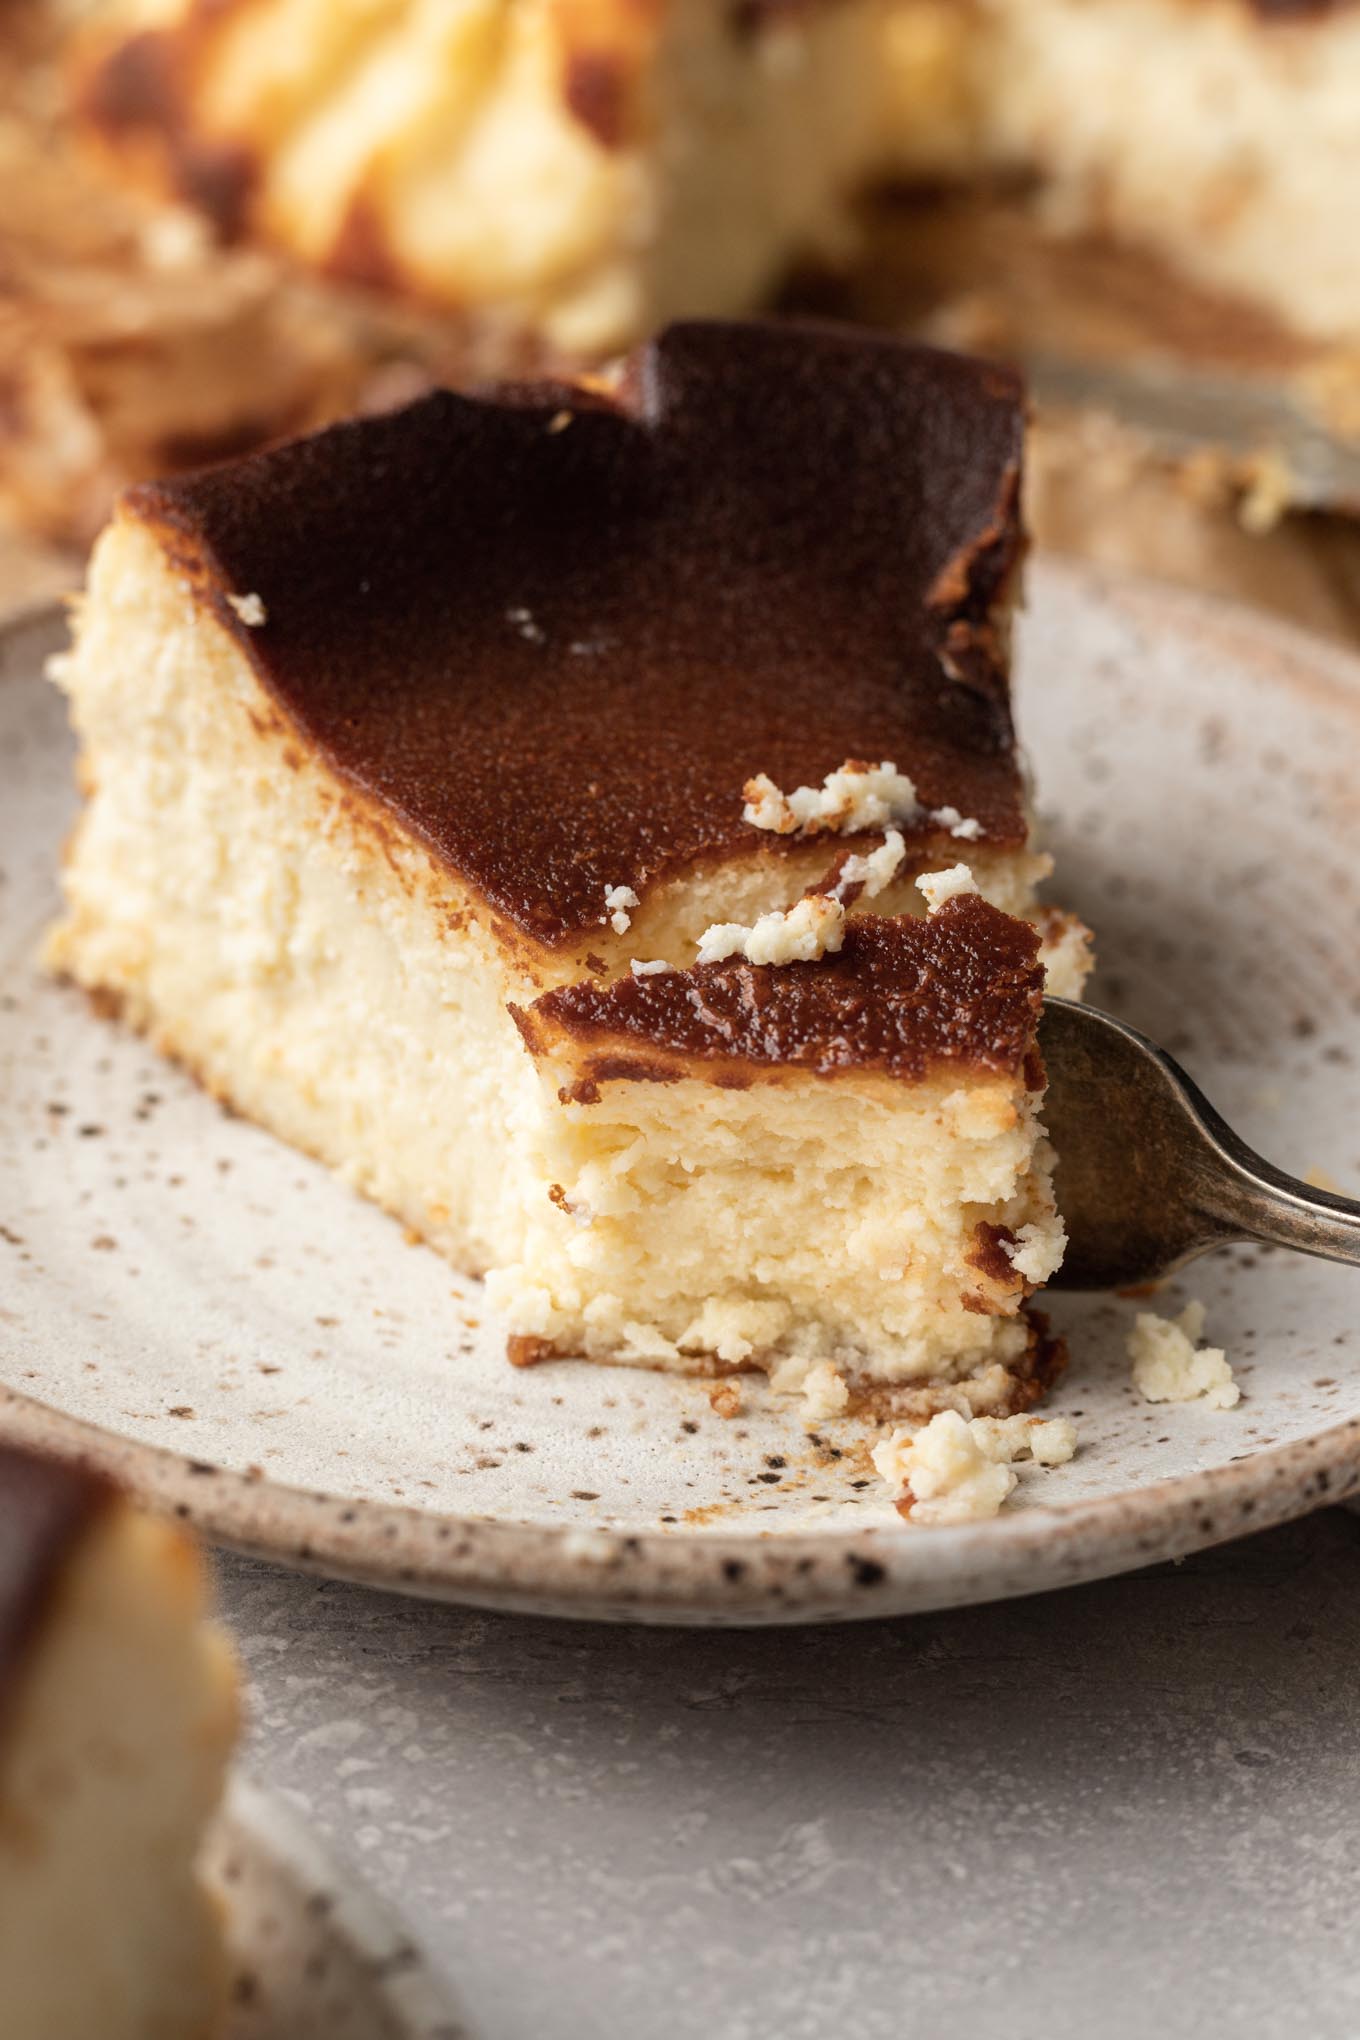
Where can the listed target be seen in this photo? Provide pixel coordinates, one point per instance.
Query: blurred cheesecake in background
(565, 175)
(1220, 135)
(118, 1713)
(131, 343)
(222, 225)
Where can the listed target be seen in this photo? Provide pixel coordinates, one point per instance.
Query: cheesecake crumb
(617, 901)
(652, 969)
(1170, 1365)
(875, 871)
(1052, 1440)
(966, 827)
(856, 797)
(822, 1388)
(250, 609)
(1037, 1251)
(1048, 1441)
(945, 1472)
(726, 1399)
(814, 928)
(960, 1470)
(1065, 953)
(523, 620)
(938, 886)
(824, 1393)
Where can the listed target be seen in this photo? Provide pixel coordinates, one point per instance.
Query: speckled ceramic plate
(313, 1955)
(190, 1303)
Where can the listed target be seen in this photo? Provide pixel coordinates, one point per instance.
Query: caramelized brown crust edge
(905, 998)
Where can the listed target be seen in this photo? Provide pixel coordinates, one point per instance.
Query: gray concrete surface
(1129, 1809)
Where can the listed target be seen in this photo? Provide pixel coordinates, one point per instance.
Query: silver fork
(1149, 1175)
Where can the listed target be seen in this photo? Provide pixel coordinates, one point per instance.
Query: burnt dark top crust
(45, 1509)
(903, 997)
(554, 633)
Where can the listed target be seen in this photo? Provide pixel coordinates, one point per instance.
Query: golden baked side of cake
(269, 929)
(117, 1716)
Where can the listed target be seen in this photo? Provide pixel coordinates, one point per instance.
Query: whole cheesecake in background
(561, 175)
(565, 175)
(1222, 136)
(520, 802)
(117, 1718)
(224, 225)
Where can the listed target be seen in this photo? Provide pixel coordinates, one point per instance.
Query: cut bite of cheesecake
(519, 803)
(117, 1716)
(797, 1161)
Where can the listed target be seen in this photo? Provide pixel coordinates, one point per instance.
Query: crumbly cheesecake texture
(861, 1135)
(117, 1715)
(581, 170)
(518, 662)
(1170, 1364)
(957, 1470)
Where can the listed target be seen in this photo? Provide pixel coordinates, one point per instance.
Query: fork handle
(1252, 1199)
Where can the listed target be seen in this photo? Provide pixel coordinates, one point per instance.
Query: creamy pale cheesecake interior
(117, 1716)
(799, 1162)
(580, 170)
(406, 744)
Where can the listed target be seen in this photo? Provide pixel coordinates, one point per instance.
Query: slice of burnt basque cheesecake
(531, 805)
(117, 1716)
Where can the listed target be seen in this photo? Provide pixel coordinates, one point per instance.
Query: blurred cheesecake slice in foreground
(515, 802)
(117, 1717)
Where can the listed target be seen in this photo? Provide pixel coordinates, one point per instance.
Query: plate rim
(401, 1972)
(749, 1579)
(752, 1578)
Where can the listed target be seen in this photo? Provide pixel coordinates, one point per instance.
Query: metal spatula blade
(1182, 411)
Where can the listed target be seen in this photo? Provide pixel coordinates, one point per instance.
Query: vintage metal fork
(1149, 1175)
